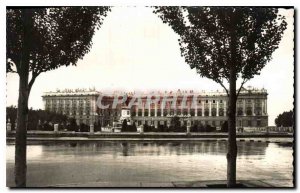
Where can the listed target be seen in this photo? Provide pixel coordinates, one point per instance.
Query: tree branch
(244, 81)
(220, 82)
(34, 75)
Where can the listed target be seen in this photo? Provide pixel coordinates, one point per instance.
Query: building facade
(79, 104)
(158, 108)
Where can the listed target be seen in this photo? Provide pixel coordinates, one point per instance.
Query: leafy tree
(97, 126)
(224, 44)
(194, 128)
(175, 123)
(286, 119)
(224, 127)
(39, 40)
(134, 128)
(73, 125)
(124, 125)
(36, 116)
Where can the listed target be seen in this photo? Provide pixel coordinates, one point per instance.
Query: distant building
(78, 104)
(211, 107)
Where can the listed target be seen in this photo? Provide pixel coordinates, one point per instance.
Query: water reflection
(106, 161)
(132, 148)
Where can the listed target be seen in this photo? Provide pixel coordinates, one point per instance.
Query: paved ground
(185, 184)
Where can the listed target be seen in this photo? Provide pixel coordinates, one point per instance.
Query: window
(221, 101)
(258, 123)
(206, 112)
(249, 123)
(199, 101)
(240, 111)
(213, 112)
(214, 101)
(206, 101)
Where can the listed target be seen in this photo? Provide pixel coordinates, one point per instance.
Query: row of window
(53, 101)
(249, 123)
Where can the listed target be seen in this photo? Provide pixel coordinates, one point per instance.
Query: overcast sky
(134, 50)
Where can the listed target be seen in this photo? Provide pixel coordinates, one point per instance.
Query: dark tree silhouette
(286, 119)
(36, 116)
(175, 123)
(39, 40)
(124, 125)
(224, 44)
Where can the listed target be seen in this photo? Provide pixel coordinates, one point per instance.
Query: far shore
(147, 136)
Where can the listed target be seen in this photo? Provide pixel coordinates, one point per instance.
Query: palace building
(158, 108)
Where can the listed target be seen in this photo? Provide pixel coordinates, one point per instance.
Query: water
(64, 163)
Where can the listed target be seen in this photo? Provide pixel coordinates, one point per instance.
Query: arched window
(206, 112)
(249, 111)
(240, 111)
(221, 112)
(213, 112)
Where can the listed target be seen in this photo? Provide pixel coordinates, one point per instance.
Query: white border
(4, 3)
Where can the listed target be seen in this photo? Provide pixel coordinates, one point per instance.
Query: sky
(134, 50)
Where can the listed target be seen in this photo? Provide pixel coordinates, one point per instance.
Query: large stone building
(206, 108)
(78, 104)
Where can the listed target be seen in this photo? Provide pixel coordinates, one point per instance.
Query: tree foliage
(206, 36)
(124, 125)
(175, 122)
(36, 117)
(285, 119)
(59, 36)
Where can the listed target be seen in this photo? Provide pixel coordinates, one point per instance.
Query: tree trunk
(22, 114)
(232, 147)
(21, 131)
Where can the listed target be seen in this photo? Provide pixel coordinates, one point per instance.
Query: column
(137, 111)
(202, 109)
(71, 108)
(217, 108)
(253, 103)
(77, 108)
(195, 108)
(64, 106)
(175, 110)
(210, 108)
(143, 109)
(181, 110)
(55, 127)
(91, 128)
(244, 107)
(155, 110)
(263, 107)
(84, 105)
(266, 102)
(162, 109)
(91, 110)
(8, 125)
(149, 111)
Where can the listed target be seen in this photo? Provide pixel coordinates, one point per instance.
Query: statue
(16, 124)
(8, 125)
